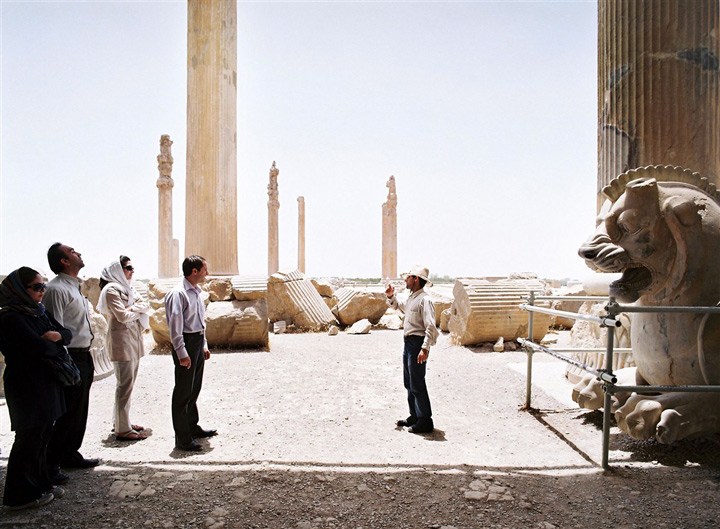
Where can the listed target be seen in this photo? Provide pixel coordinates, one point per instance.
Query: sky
(485, 112)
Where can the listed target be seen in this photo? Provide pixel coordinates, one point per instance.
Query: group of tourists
(45, 337)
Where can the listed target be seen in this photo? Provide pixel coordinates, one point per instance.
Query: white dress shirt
(64, 301)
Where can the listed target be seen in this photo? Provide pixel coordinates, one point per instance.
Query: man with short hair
(65, 302)
(420, 334)
(185, 313)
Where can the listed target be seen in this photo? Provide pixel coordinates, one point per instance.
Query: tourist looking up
(126, 312)
(64, 301)
(34, 397)
(420, 334)
(185, 313)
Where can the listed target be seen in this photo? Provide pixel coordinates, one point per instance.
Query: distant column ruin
(273, 235)
(211, 183)
(658, 87)
(389, 232)
(301, 234)
(167, 262)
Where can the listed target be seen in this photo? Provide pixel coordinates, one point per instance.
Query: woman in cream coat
(127, 316)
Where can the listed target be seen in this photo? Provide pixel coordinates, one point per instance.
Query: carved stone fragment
(235, 322)
(293, 298)
(660, 227)
(354, 305)
(484, 310)
(360, 327)
(249, 288)
(220, 289)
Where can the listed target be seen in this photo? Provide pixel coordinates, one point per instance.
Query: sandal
(132, 435)
(133, 426)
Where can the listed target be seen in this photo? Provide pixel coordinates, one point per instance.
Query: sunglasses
(128, 268)
(38, 287)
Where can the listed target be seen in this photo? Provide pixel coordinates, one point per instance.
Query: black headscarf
(13, 296)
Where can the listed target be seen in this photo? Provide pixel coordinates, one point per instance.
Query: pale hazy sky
(484, 111)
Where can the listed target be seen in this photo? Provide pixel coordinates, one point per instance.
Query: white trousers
(125, 374)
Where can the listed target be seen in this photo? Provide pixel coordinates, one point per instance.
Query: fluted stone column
(211, 188)
(273, 235)
(301, 234)
(389, 227)
(166, 266)
(658, 86)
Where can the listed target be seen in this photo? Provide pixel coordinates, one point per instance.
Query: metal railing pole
(530, 352)
(607, 405)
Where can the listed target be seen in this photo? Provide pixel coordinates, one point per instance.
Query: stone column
(166, 266)
(211, 186)
(176, 257)
(658, 86)
(273, 236)
(389, 227)
(301, 234)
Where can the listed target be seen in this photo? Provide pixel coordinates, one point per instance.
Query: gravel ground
(307, 440)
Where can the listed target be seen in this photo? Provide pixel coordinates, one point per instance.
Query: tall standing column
(389, 226)
(301, 234)
(167, 267)
(211, 186)
(273, 235)
(658, 86)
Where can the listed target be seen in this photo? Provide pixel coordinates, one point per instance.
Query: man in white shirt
(185, 313)
(420, 334)
(64, 301)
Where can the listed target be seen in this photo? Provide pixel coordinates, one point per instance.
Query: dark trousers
(414, 378)
(69, 430)
(27, 470)
(188, 383)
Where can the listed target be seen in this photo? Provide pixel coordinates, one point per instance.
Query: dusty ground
(307, 440)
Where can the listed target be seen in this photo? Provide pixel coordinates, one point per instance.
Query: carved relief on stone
(273, 229)
(660, 227)
(165, 162)
(272, 187)
(389, 232)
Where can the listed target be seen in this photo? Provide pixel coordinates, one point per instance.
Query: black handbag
(63, 369)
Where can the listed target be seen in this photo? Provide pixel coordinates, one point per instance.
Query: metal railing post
(607, 405)
(530, 350)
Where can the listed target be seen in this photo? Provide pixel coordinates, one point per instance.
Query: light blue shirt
(185, 312)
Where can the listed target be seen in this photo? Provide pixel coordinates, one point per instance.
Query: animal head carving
(654, 228)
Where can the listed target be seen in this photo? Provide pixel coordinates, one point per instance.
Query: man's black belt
(78, 350)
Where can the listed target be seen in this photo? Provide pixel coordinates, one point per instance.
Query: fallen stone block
(220, 289)
(293, 298)
(484, 310)
(249, 288)
(243, 323)
(355, 305)
(360, 327)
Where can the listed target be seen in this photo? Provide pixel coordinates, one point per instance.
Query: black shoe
(200, 433)
(422, 426)
(59, 478)
(407, 422)
(192, 446)
(42, 500)
(80, 462)
(57, 492)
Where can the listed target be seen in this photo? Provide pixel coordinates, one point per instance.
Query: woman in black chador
(34, 397)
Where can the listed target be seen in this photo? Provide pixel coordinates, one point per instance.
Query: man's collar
(189, 286)
(68, 277)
